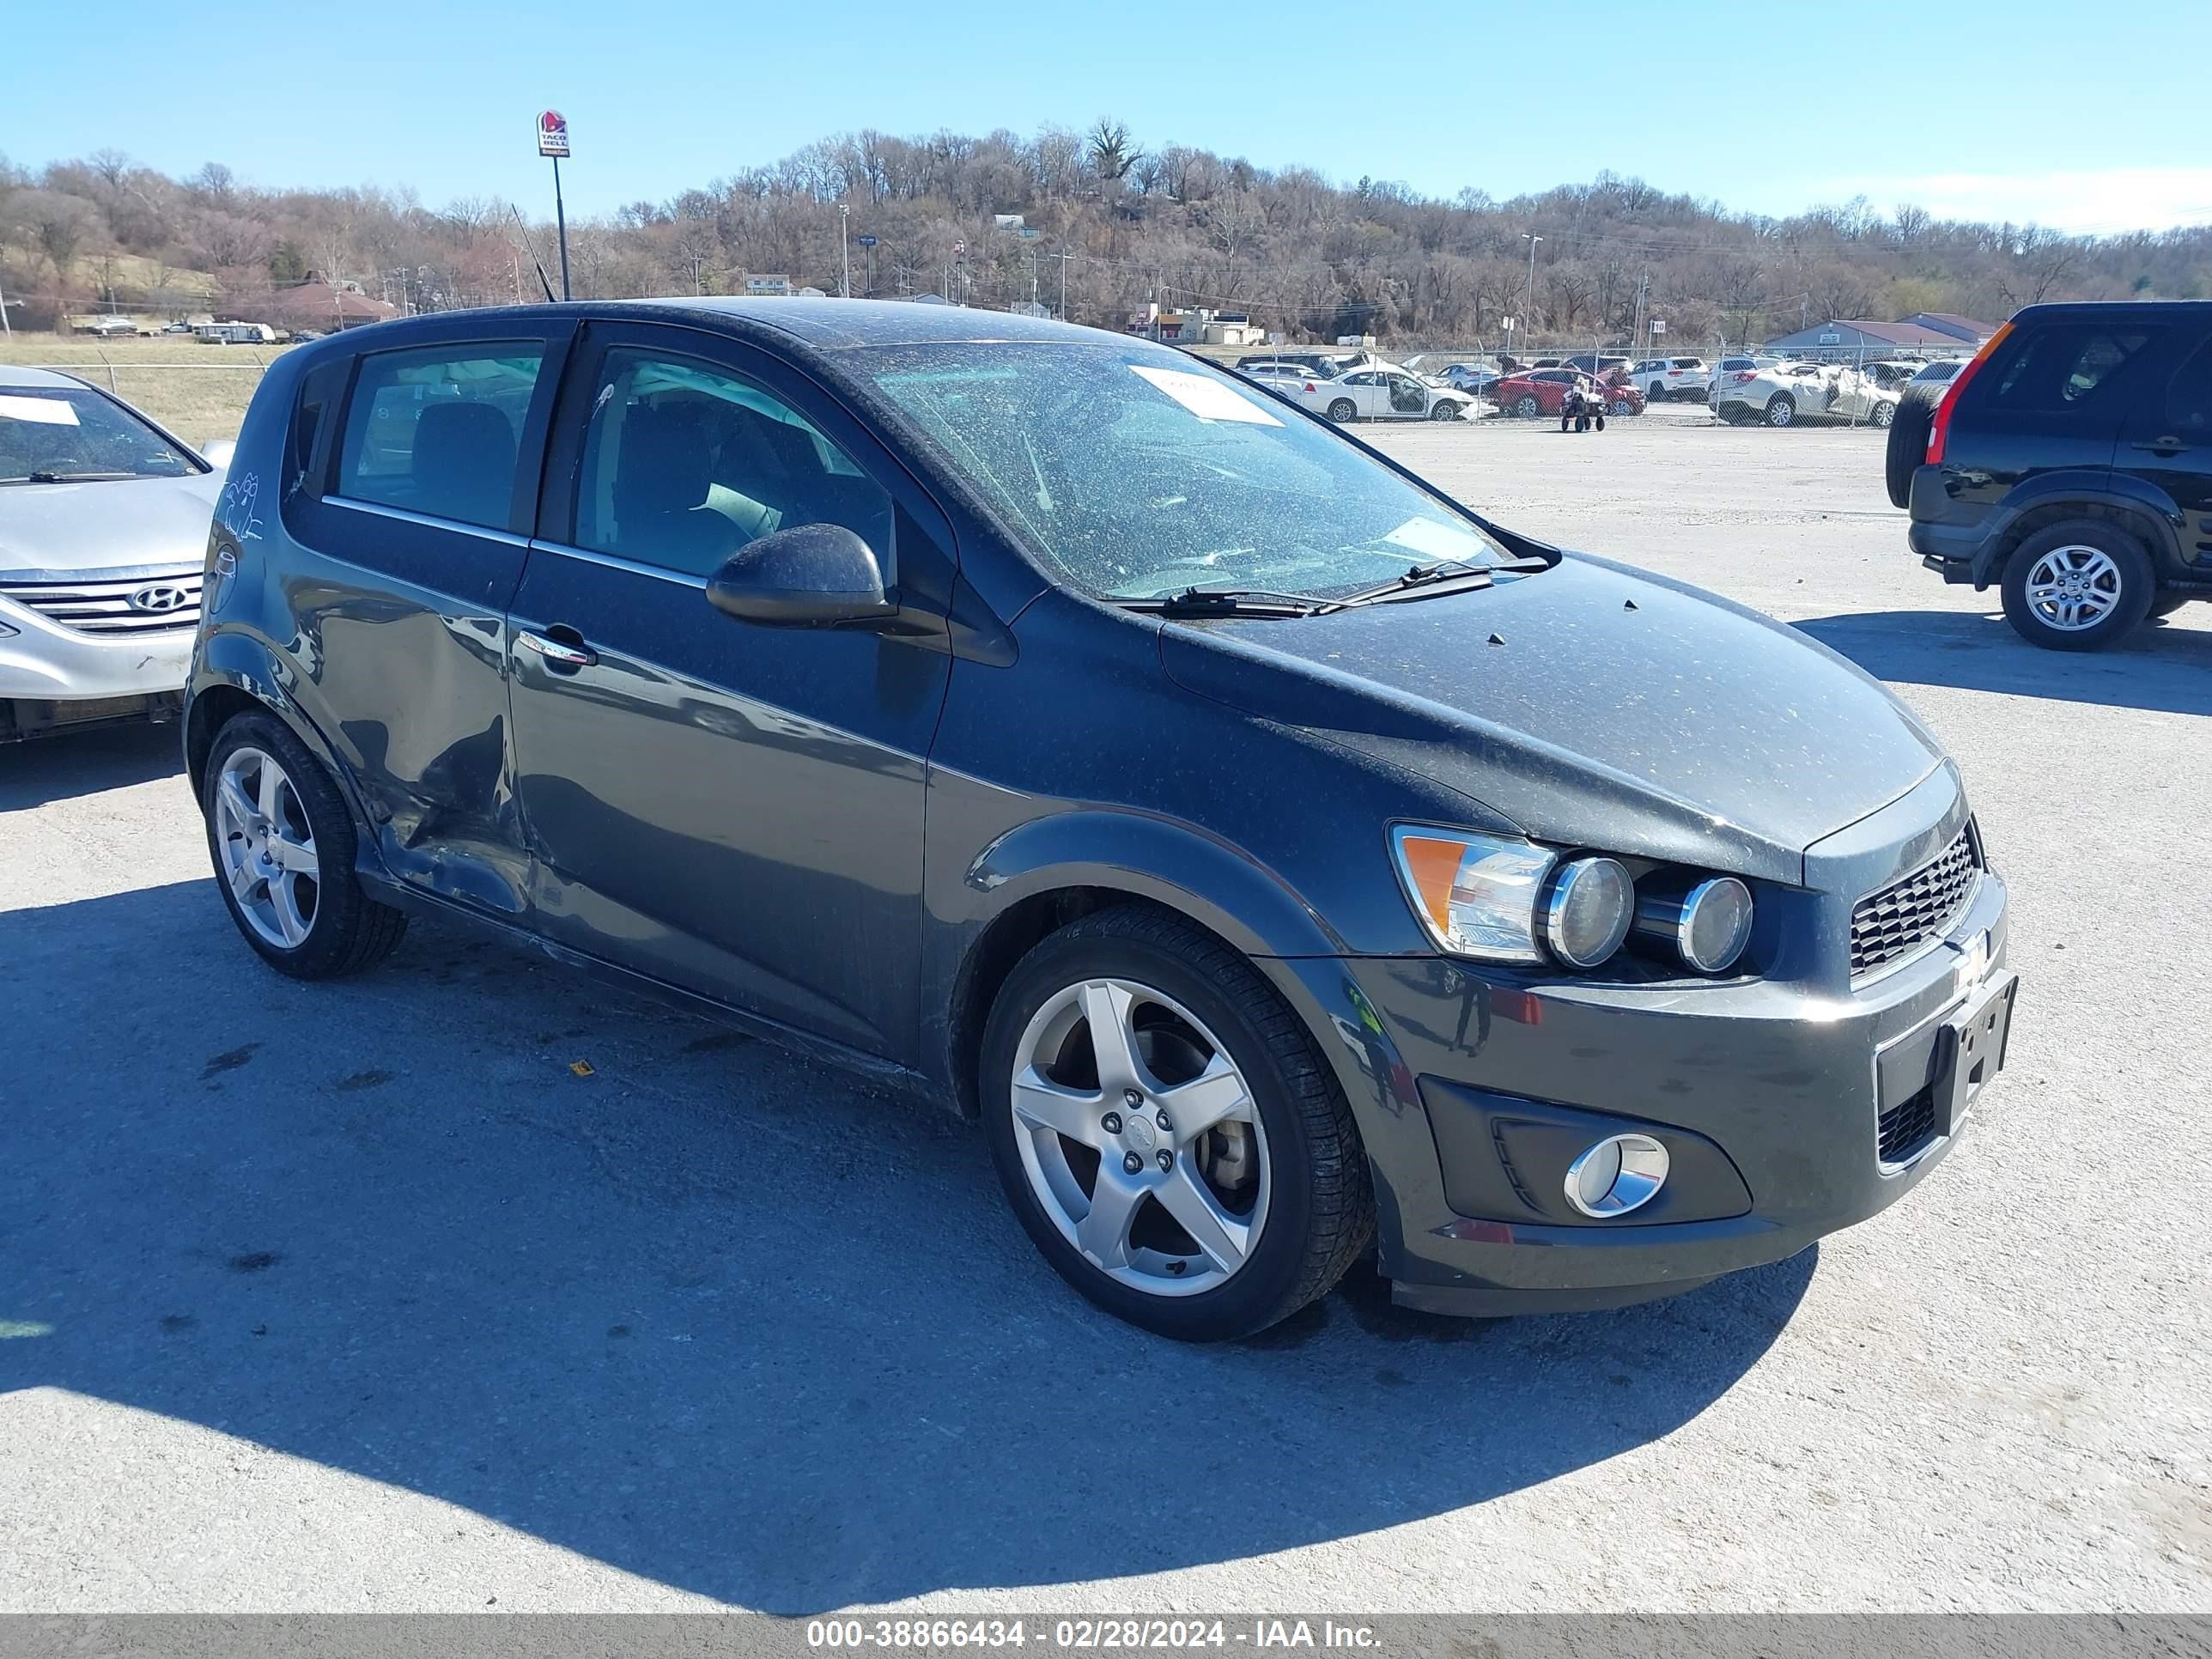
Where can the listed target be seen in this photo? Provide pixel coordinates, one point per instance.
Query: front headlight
(1476, 894)
(1499, 898)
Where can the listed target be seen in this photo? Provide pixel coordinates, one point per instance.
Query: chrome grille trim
(95, 605)
(1896, 920)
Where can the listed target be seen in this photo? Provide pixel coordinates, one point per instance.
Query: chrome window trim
(628, 567)
(429, 521)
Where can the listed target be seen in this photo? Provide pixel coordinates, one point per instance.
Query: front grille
(1908, 913)
(1906, 1128)
(113, 604)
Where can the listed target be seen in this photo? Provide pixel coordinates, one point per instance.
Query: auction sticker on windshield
(1210, 400)
(47, 411)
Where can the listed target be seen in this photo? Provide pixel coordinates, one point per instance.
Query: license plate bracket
(1970, 1049)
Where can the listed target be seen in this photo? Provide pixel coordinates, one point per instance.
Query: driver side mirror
(811, 575)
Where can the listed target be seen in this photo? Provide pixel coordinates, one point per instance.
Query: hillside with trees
(1119, 218)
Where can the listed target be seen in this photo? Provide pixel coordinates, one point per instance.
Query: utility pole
(1063, 259)
(1532, 238)
(845, 251)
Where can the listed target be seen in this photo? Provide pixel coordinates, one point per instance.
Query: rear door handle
(558, 653)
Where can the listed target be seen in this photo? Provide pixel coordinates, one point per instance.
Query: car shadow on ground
(2164, 665)
(695, 1307)
(64, 767)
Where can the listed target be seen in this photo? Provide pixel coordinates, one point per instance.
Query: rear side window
(2058, 370)
(1689, 362)
(433, 430)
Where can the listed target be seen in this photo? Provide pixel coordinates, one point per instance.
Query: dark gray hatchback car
(1285, 863)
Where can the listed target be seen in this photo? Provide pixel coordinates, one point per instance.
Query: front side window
(684, 463)
(435, 430)
(67, 434)
(1136, 477)
(2059, 369)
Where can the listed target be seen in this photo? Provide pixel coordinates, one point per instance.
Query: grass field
(198, 392)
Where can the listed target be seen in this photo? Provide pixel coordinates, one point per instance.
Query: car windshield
(1139, 475)
(54, 435)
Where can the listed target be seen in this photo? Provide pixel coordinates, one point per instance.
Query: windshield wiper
(1227, 602)
(1448, 575)
(73, 477)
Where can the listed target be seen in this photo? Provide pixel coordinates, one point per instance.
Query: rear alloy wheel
(1165, 1131)
(1781, 409)
(1446, 411)
(2078, 586)
(1528, 409)
(1882, 415)
(1343, 411)
(1622, 409)
(282, 840)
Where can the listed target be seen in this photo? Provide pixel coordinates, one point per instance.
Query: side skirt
(874, 1067)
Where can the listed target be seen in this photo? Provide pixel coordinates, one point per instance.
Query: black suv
(2070, 462)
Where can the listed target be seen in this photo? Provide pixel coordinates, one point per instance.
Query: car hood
(122, 525)
(1590, 705)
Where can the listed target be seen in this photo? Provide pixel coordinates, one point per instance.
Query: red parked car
(1541, 390)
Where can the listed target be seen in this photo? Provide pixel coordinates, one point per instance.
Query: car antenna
(541, 280)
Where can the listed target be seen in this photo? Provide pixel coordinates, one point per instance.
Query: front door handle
(558, 653)
(2161, 445)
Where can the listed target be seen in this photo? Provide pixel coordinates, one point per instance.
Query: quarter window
(684, 463)
(2189, 394)
(435, 430)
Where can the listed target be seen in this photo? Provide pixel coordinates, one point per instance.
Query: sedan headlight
(1707, 921)
(1475, 894)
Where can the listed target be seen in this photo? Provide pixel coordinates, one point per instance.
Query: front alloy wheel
(1166, 1130)
(2078, 586)
(1139, 1139)
(1781, 409)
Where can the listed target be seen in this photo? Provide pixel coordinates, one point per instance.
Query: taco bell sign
(553, 134)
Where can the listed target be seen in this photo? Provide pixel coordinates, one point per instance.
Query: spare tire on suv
(1908, 446)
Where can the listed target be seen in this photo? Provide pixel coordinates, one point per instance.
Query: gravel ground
(359, 1297)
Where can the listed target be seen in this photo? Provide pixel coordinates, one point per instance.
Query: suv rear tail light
(1938, 424)
(1746, 375)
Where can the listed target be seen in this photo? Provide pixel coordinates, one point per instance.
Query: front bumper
(42, 661)
(1770, 1091)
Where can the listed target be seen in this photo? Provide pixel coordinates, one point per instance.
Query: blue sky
(1987, 108)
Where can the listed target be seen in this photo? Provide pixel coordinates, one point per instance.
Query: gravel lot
(359, 1297)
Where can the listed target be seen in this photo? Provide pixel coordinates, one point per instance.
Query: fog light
(1619, 1174)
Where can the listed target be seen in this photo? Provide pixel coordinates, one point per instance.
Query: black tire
(2137, 577)
(1622, 409)
(1781, 409)
(1658, 391)
(1527, 407)
(1884, 415)
(1321, 1214)
(1908, 447)
(349, 930)
(1344, 411)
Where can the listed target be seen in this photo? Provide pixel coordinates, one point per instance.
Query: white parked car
(1660, 378)
(103, 535)
(1733, 368)
(1788, 394)
(1382, 394)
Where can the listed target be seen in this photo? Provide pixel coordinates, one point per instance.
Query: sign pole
(553, 143)
(561, 227)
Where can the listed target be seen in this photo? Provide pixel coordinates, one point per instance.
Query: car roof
(12, 375)
(2076, 311)
(824, 325)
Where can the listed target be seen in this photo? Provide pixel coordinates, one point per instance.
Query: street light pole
(845, 251)
(1532, 238)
